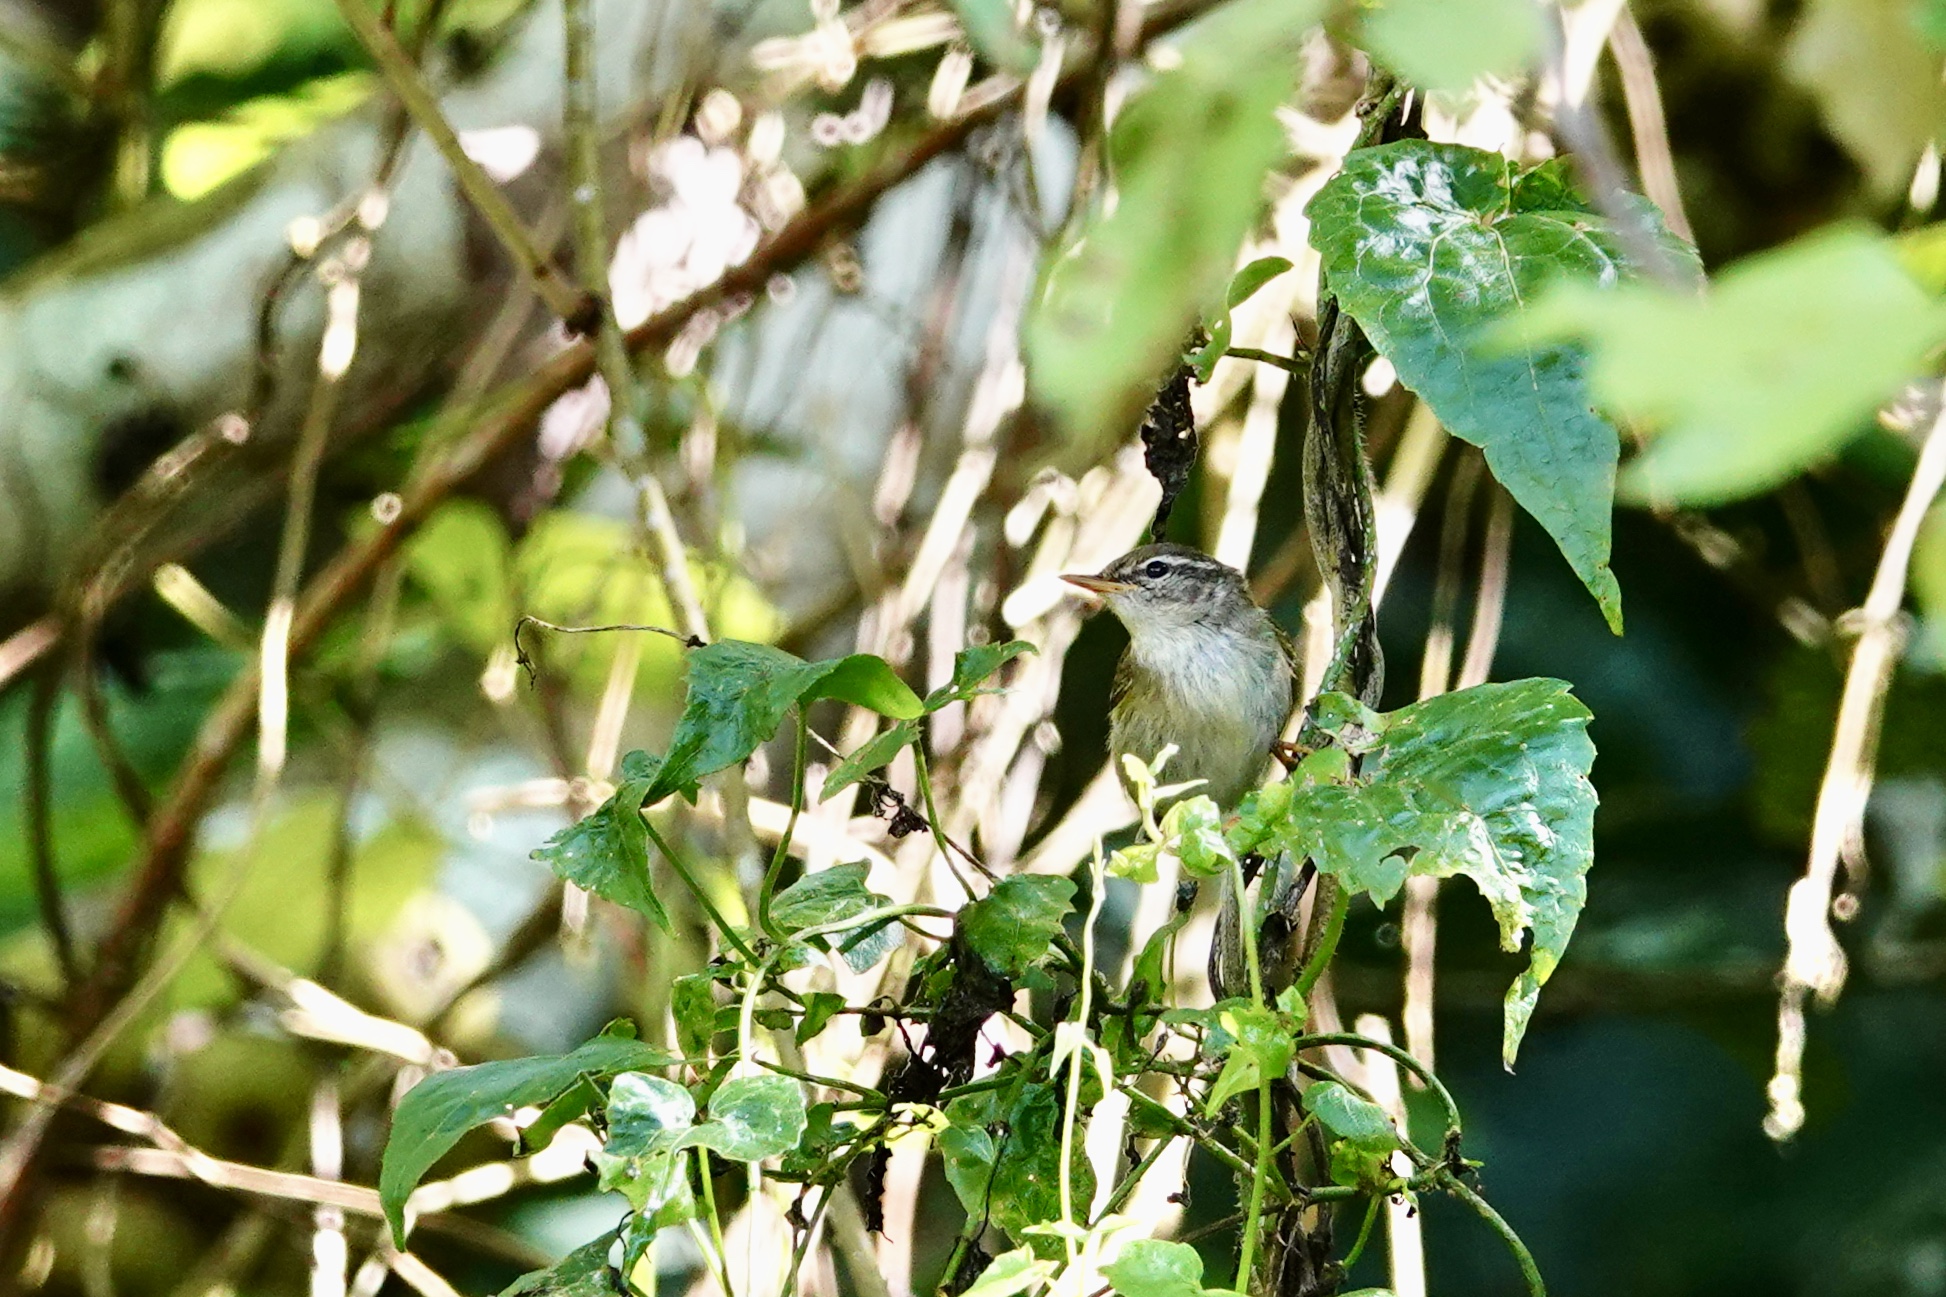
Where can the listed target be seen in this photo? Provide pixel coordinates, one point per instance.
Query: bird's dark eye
(1155, 570)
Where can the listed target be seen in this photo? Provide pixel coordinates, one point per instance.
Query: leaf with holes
(1431, 248)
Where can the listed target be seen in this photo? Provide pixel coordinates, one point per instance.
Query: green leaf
(1150, 1267)
(1245, 283)
(1876, 80)
(1191, 153)
(967, 1154)
(740, 693)
(1014, 924)
(1431, 247)
(874, 755)
(437, 1112)
(692, 1002)
(1362, 1152)
(646, 1114)
(972, 667)
(1260, 1047)
(1490, 783)
(584, 1272)
(1449, 44)
(819, 1008)
(1026, 1188)
(1193, 830)
(1010, 1273)
(1501, 774)
(1927, 580)
(1780, 366)
(868, 682)
(606, 851)
(751, 1118)
(991, 30)
(832, 896)
(578, 1099)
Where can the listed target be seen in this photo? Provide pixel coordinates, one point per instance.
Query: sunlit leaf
(1432, 248)
(1876, 80)
(751, 1118)
(1010, 1273)
(1191, 152)
(1490, 783)
(1013, 925)
(1149, 1267)
(1450, 44)
(1775, 370)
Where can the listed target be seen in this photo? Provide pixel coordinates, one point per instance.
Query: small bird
(1206, 669)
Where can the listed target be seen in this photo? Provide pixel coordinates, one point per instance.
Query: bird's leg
(1289, 754)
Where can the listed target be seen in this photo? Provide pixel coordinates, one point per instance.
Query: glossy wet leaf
(1013, 926)
(436, 1113)
(1191, 154)
(1780, 366)
(1432, 248)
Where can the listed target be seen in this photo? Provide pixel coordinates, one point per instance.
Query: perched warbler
(1207, 670)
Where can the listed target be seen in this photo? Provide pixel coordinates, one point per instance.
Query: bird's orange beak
(1096, 584)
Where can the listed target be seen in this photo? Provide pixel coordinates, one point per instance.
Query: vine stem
(1334, 928)
(1397, 1055)
(1528, 1270)
(779, 856)
(702, 897)
(1260, 1168)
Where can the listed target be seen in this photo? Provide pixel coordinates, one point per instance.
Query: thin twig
(1815, 962)
(1655, 161)
(1588, 140)
(1489, 605)
(40, 828)
(403, 78)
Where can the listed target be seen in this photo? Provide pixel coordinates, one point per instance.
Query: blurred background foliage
(809, 439)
